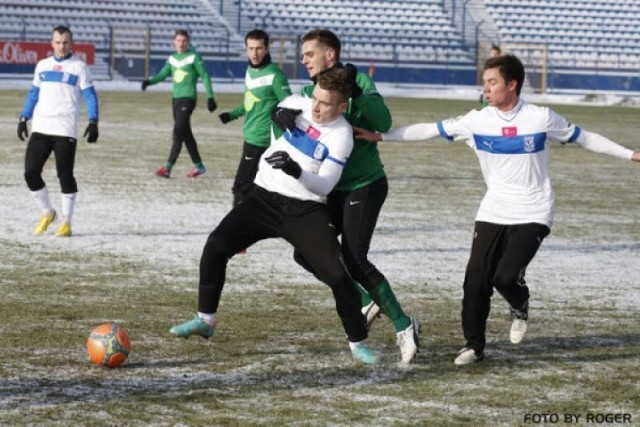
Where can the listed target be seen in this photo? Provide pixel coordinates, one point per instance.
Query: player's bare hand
(360, 133)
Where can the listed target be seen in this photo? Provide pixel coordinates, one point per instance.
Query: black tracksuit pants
(304, 224)
(247, 170)
(499, 257)
(182, 110)
(355, 215)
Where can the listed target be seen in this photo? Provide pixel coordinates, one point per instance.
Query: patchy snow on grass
(279, 355)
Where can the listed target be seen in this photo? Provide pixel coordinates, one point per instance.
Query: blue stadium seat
(382, 22)
(603, 32)
(92, 22)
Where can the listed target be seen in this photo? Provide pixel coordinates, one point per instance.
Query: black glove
(285, 118)
(352, 72)
(225, 118)
(92, 131)
(211, 105)
(22, 128)
(281, 160)
(145, 83)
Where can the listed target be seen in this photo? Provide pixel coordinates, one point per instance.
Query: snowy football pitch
(279, 356)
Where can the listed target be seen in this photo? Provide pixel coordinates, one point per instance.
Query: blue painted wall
(436, 75)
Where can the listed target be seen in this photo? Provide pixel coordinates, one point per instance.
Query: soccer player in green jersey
(184, 66)
(357, 199)
(265, 85)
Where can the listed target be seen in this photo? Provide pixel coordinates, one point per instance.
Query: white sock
(42, 198)
(209, 319)
(353, 345)
(68, 205)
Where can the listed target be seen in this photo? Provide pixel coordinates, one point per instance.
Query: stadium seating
(577, 33)
(418, 31)
(94, 21)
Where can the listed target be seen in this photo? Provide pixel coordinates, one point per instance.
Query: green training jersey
(184, 69)
(367, 111)
(264, 88)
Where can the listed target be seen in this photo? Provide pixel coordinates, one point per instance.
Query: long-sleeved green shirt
(264, 88)
(367, 111)
(184, 69)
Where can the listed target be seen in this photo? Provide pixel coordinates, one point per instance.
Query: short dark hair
(257, 35)
(61, 29)
(181, 32)
(326, 38)
(335, 79)
(510, 68)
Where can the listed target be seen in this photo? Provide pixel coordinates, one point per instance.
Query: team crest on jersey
(510, 131)
(57, 67)
(320, 151)
(529, 144)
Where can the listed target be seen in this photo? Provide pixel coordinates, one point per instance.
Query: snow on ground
(172, 230)
(582, 272)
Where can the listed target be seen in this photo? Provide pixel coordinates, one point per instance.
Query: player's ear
(330, 54)
(342, 107)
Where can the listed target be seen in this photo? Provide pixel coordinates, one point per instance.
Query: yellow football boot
(44, 222)
(64, 230)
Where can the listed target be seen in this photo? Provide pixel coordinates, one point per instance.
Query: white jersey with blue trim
(321, 150)
(514, 158)
(59, 83)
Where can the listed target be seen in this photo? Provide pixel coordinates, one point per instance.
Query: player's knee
(221, 244)
(334, 277)
(68, 184)
(477, 283)
(34, 180)
(367, 275)
(217, 247)
(359, 267)
(505, 280)
(301, 260)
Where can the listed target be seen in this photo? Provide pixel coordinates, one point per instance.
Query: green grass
(279, 356)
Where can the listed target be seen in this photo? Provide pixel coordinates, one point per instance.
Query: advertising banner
(27, 53)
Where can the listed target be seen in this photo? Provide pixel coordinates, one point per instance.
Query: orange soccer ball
(108, 345)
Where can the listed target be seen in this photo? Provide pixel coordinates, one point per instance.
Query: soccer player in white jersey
(511, 139)
(288, 200)
(53, 102)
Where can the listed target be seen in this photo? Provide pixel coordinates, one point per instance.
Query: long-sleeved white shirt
(54, 99)
(321, 150)
(513, 150)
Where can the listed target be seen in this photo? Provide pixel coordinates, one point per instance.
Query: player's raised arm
(600, 144)
(367, 135)
(414, 132)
